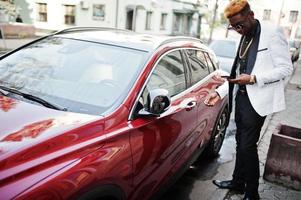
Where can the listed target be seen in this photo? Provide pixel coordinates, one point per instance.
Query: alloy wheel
(220, 132)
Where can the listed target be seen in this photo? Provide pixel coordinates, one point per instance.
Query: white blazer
(272, 65)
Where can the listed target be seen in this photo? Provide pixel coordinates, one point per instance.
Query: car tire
(218, 134)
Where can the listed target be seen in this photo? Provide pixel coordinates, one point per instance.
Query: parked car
(225, 50)
(294, 47)
(92, 113)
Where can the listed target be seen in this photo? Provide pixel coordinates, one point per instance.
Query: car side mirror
(158, 101)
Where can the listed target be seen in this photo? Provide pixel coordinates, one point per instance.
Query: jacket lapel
(252, 54)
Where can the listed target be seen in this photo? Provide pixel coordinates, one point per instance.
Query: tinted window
(199, 68)
(169, 74)
(81, 76)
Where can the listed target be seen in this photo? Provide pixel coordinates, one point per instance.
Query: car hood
(31, 134)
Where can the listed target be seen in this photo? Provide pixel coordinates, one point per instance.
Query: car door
(202, 82)
(160, 143)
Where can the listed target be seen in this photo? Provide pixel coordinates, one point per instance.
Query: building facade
(169, 17)
(286, 13)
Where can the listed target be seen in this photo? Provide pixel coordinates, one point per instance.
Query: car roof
(123, 38)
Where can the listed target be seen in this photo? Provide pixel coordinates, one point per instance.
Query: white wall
(84, 17)
(258, 6)
(275, 6)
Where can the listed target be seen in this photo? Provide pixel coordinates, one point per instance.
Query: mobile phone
(224, 76)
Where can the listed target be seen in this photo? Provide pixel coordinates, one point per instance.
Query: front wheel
(218, 135)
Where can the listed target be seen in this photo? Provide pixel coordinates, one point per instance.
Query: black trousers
(249, 124)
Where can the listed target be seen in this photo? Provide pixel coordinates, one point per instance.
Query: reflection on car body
(135, 114)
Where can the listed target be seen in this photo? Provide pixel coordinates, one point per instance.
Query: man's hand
(242, 79)
(212, 98)
(220, 78)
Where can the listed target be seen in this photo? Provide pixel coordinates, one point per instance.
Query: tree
(7, 9)
(213, 20)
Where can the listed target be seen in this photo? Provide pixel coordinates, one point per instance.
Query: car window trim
(203, 80)
(207, 56)
(189, 63)
(187, 77)
(131, 115)
(188, 69)
(187, 90)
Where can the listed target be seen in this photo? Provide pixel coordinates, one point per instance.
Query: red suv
(91, 113)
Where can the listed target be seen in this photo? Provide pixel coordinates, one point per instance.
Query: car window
(198, 65)
(82, 76)
(169, 74)
(211, 65)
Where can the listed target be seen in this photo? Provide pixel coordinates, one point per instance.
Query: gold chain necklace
(246, 49)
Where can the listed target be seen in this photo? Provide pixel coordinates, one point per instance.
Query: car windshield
(224, 48)
(84, 77)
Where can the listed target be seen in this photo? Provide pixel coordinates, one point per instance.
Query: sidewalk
(292, 117)
(10, 44)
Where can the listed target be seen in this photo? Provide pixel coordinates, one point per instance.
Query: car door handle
(190, 105)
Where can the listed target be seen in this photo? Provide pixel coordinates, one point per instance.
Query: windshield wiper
(32, 98)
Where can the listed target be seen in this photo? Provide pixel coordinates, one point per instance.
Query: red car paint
(51, 154)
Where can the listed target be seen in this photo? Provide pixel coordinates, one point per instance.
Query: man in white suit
(257, 82)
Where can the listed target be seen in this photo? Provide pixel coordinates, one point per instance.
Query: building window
(293, 16)
(148, 20)
(69, 14)
(182, 23)
(266, 14)
(42, 12)
(178, 20)
(163, 21)
(99, 12)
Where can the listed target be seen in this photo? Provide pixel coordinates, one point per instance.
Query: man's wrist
(218, 94)
(252, 79)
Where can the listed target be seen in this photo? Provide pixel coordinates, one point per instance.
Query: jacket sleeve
(223, 90)
(280, 58)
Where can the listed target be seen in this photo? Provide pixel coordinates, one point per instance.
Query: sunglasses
(240, 25)
(237, 27)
